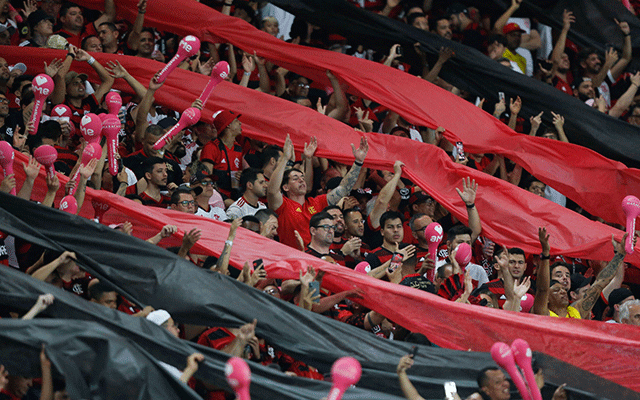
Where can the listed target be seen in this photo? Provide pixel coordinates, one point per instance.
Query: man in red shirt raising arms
(294, 209)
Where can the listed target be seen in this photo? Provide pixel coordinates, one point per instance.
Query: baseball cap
(578, 281)
(456, 8)
(201, 174)
(71, 75)
(511, 27)
(362, 192)
(223, 118)
(167, 122)
(334, 182)
(618, 295)
(158, 317)
(37, 16)
(419, 197)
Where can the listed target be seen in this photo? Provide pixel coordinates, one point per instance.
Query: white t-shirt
(216, 213)
(241, 208)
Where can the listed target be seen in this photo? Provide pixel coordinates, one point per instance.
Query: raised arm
(443, 56)
(384, 197)
(222, 265)
(541, 302)
(558, 122)
(502, 21)
(105, 78)
(605, 276)
(407, 387)
(274, 194)
(514, 107)
(558, 49)
(468, 195)
(307, 161)
(622, 63)
(350, 179)
(626, 99)
(342, 105)
(109, 14)
(133, 41)
(116, 70)
(143, 109)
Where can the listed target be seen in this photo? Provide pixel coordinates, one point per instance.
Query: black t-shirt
(379, 256)
(332, 253)
(418, 281)
(13, 120)
(135, 162)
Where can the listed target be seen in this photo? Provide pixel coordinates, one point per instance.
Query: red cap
(512, 27)
(223, 118)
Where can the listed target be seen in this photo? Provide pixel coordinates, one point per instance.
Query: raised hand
(247, 331)
(168, 230)
(288, 150)
(361, 152)
(568, 19)
(516, 105)
(558, 120)
(500, 108)
(190, 238)
(115, 69)
(53, 68)
(405, 363)
(311, 147)
(536, 121)
(521, 288)
(321, 109)
(8, 183)
(308, 276)
(624, 27)
(154, 84)
(248, 63)
(544, 240)
(469, 189)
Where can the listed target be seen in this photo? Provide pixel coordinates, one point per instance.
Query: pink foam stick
(522, 354)
(6, 160)
(631, 208)
(188, 47)
(42, 86)
(433, 234)
(100, 209)
(346, 371)
(189, 117)
(61, 110)
(47, 155)
(463, 255)
(114, 102)
(110, 129)
(91, 128)
(503, 356)
(91, 151)
(16, 15)
(69, 204)
(219, 73)
(239, 377)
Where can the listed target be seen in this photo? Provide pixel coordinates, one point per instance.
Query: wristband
(543, 257)
(228, 242)
(628, 34)
(358, 163)
(70, 54)
(470, 205)
(91, 61)
(247, 73)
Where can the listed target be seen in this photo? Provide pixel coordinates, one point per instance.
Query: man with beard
(552, 296)
(353, 233)
(155, 174)
(322, 229)
(603, 76)
(254, 187)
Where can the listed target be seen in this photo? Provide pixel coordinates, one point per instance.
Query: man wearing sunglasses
(322, 227)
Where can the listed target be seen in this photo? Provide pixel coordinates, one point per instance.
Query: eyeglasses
(187, 203)
(271, 291)
(206, 183)
(302, 85)
(4, 100)
(327, 227)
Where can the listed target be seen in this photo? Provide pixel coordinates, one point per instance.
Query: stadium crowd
(368, 220)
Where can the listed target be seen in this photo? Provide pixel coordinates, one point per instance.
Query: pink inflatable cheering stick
(433, 234)
(69, 204)
(522, 354)
(346, 371)
(42, 86)
(61, 110)
(463, 255)
(111, 128)
(6, 160)
(238, 376)
(100, 209)
(189, 117)
(189, 46)
(114, 102)
(219, 73)
(503, 356)
(631, 208)
(91, 128)
(47, 155)
(90, 152)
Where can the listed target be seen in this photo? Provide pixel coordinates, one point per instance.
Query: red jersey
(227, 163)
(150, 201)
(88, 30)
(89, 104)
(295, 216)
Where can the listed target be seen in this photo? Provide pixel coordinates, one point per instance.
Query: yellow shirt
(571, 313)
(517, 58)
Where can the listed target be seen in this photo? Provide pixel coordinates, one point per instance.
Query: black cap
(37, 16)
(616, 296)
(578, 281)
(167, 122)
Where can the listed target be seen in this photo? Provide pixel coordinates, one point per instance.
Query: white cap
(158, 317)
(19, 66)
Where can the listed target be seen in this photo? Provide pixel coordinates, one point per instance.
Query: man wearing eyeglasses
(322, 227)
(182, 200)
(203, 187)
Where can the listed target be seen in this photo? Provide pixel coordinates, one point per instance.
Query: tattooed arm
(605, 276)
(222, 265)
(352, 176)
